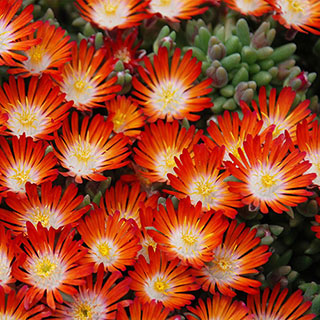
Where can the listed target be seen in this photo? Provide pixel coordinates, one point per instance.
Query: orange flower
(13, 29)
(96, 301)
(25, 161)
(174, 10)
(110, 14)
(52, 209)
(36, 113)
(162, 280)
(202, 180)
(219, 307)
(170, 92)
(125, 115)
(250, 7)
(301, 15)
(49, 264)
(188, 234)
(237, 256)
(111, 241)
(84, 79)
(274, 306)
(271, 175)
(160, 144)
(51, 53)
(88, 151)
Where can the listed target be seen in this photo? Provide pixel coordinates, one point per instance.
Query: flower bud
(216, 49)
(218, 74)
(245, 91)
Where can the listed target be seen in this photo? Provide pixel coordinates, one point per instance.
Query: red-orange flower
(50, 263)
(170, 91)
(37, 111)
(162, 280)
(202, 180)
(250, 7)
(110, 14)
(237, 256)
(188, 234)
(3, 122)
(51, 209)
(84, 78)
(272, 175)
(48, 56)
(87, 151)
(272, 305)
(160, 144)
(13, 29)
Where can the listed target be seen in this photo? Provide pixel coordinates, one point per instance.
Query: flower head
(84, 79)
(37, 111)
(170, 91)
(160, 143)
(87, 151)
(250, 7)
(110, 14)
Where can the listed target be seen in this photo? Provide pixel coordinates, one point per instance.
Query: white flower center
(38, 59)
(105, 252)
(248, 5)
(43, 214)
(295, 12)
(167, 8)
(165, 162)
(5, 269)
(314, 159)
(158, 288)
(5, 37)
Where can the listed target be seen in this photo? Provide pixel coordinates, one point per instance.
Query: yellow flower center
(223, 264)
(189, 239)
(151, 243)
(21, 176)
(45, 268)
(82, 151)
(41, 215)
(268, 180)
(80, 86)
(110, 8)
(118, 121)
(104, 249)
(295, 5)
(165, 2)
(167, 97)
(161, 286)
(84, 311)
(36, 54)
(123, 55)
(205, 188)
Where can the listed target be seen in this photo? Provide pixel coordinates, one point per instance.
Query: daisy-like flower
(24, 161)
(301, 15)
(270, 176)
(272, 305)
(84, 78)
(37, 111)
(125, 115)
(279, 111)
(202, 180)
(231, 132)
(163, 280)
(188, 234)
(88, 151)
(48, 56)
(177, 9)
(13, 29)
(96, 301)
(12, 306)
(50, 263)
(51, 209)
(170, 91)
(160, 143)
(110, 14)
(143, 311)
(237, 256)
(250, 7)
(111, 240)
(219, 307)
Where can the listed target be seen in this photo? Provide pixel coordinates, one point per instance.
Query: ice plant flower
(219, 307)
(36, 111)
(202, 180)
(110, 14)
(125, 115)
(96, 301)
(88, 151)
(84, 78)
(24, 161)
(143, 311)
(170, 91)
(51, 209)
(237, 256)
(13, 28)
(48, 56)
(279, 111)
(301, 15)
(174, 10)
(274, 305)
(49, 264)
(111, 241)
(160, 143)
(188, 234)
(162, 280)
(271, 175)
(250, 7)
